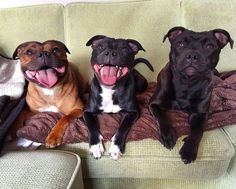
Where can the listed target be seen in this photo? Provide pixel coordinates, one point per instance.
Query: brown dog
(53, 83)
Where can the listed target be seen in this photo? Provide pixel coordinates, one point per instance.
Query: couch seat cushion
(149, 159)
(231, 132)
(40, 169)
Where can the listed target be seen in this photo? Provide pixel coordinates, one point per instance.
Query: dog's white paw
(97, 150)
(114, 151)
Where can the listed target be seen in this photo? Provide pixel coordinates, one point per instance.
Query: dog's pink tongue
(47, 77)
(108, 75)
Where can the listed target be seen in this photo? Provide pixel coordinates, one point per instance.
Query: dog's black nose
(110, 53)
(192, 57)
(44, 54)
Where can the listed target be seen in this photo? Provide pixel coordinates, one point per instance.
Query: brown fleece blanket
(222, 113)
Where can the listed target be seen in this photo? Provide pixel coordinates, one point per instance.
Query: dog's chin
(190, 71)
(46, 77)
(108, 75)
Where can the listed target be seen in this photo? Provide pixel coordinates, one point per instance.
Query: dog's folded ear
(173, 33)
(223, 37)
(17, 50)
(94, 41)
(60, 43)
(15, 56)
(135, 45)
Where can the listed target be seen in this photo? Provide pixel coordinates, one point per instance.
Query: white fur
(48, 92)
(12, 80)
(49, 109)
(97, 150)
(107, 102)
(114, 150)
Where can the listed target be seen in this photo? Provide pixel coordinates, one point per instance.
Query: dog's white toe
(97, 150)
(114, 151)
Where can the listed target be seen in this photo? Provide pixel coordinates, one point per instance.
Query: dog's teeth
(117, 67)
(119, 73)
(37, 74)
(120, 68)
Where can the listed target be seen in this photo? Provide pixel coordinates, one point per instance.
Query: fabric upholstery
(121, 20)
(40, 169)
(231, 131)
(32, 23)
(211, 14)
(225, 182)
(146, 21)
(149, 159)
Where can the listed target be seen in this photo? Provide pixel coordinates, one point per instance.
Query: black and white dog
(113, 89)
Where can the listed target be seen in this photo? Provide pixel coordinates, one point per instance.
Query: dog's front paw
(53, 140)
(188, 152)
(97, 150)
(114, 151)
(168, 137)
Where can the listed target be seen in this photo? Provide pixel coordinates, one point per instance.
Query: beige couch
(146, 164)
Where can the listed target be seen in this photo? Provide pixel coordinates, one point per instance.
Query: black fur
(185, 83)
(115, 52)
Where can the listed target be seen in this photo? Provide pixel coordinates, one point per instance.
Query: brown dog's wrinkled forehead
(38, 46)
(50, 44)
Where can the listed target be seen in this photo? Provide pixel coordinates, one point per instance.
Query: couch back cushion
(30, 23)
(145, 21)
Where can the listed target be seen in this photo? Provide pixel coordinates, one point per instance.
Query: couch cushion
(231, 132)
(30, 23)
(149, 159)
(211, 14)
(40, 169)
(121, 20)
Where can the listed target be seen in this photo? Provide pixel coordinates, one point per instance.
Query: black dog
(185, 83)
(113, 89)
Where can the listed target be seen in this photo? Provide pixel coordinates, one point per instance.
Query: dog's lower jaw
(97, 150)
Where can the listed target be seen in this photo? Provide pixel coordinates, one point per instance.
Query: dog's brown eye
(210, 46)
(29, 52)
(100, 47)
(56, 50)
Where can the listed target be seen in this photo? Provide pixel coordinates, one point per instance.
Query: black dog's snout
(44, 54)
(192, 57)
(110, 53)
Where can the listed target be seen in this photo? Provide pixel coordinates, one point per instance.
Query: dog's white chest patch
(107, 102)
(49, 109)
(48, 92)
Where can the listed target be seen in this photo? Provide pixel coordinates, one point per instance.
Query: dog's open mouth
(109, 74)
(47, 77)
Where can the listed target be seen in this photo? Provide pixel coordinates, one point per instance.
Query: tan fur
(65, 98)
(66, 93)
